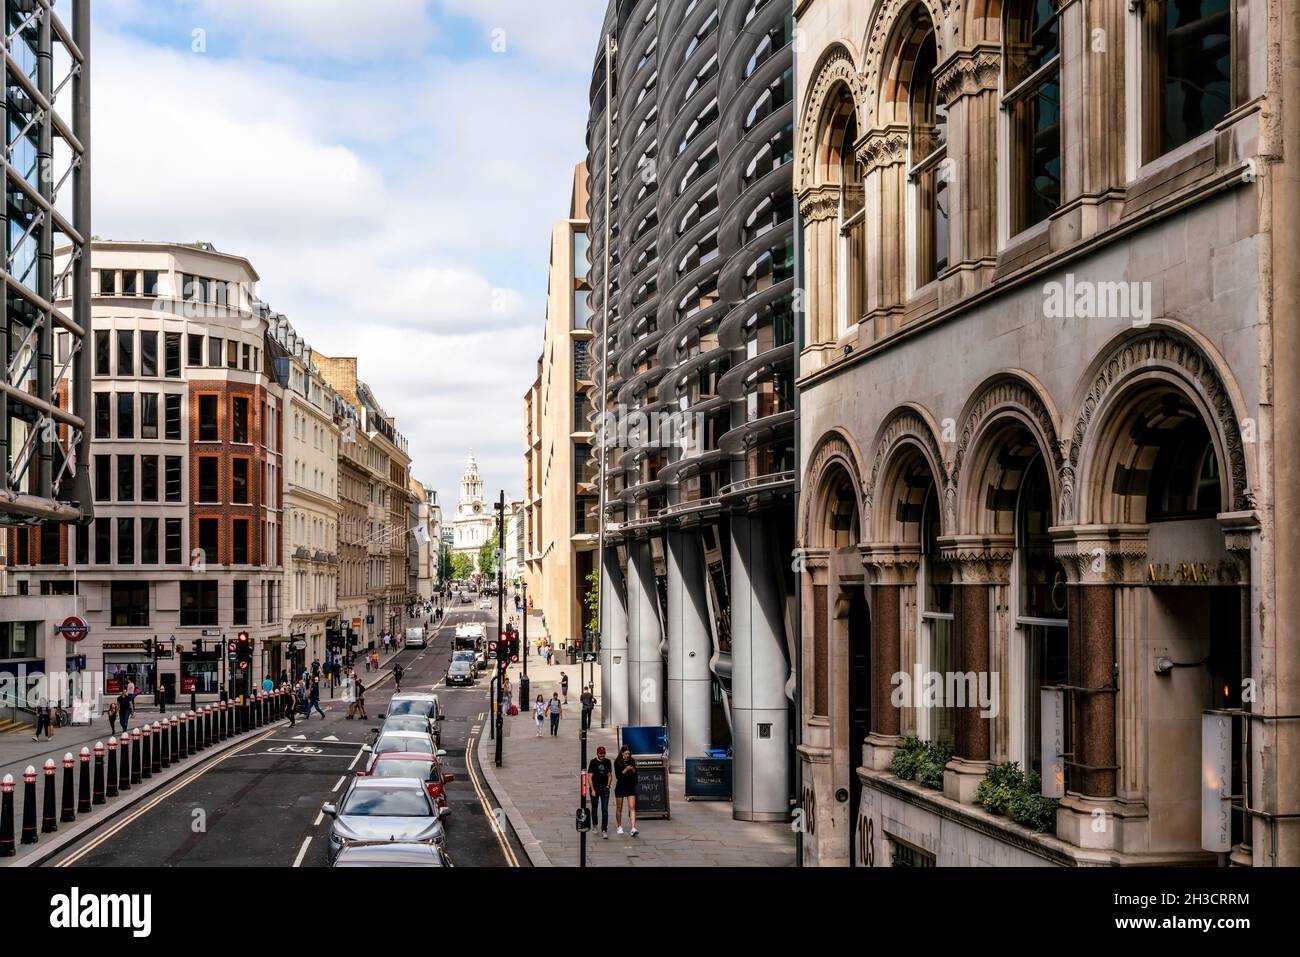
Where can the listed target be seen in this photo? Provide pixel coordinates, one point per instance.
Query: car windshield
(420, 744)
(387, 802)
(410, 706)
(407, 722)
(403, 768)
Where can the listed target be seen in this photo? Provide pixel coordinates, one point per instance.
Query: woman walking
(361, 698)
(625, 787)
(112, 719)
(539, 713)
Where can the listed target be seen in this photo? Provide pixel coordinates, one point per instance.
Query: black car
(460, 672)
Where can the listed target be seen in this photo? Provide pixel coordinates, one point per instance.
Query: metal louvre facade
(46, 394)
(692, 276)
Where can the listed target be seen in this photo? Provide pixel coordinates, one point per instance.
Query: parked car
(417, 742)
(392, 855)
(384, 810)
(402, 722)
(461, 670)
(415, 638)
(406, 764)
(418, 703)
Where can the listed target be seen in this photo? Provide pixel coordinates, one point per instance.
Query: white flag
(421, 534)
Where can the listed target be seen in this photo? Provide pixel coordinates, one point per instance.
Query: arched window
(934, 587)
(927, 171)
(1187, 70)
(1031, 97)
(851, 222)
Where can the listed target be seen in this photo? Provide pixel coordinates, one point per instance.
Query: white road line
(302, 851)
(319, 817)
(339, 785)
(356, 759)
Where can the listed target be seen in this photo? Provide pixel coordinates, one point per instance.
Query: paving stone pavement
(538, 786)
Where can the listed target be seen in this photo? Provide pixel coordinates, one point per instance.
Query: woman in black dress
(625, 787)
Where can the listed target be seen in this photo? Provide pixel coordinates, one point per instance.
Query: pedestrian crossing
(10, 726)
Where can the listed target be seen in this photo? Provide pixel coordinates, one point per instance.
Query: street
(260, 804)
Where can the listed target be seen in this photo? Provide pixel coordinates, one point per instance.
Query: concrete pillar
(613, 642)
(690, 703)
(759, 708)
(645, 701)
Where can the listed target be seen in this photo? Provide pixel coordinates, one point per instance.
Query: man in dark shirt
(599, 771)
(588, 705)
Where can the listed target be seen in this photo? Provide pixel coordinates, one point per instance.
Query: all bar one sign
(1216, 782)
(1192, 573)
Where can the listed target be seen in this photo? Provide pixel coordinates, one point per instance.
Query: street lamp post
(523, 651)
(502, 660)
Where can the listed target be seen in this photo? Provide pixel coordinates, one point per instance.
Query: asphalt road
(259, 805)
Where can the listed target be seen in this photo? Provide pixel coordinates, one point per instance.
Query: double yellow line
(506, 850)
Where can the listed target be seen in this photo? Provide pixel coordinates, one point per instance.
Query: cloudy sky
(391, 168)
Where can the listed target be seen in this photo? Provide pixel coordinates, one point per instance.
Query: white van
(415, 637)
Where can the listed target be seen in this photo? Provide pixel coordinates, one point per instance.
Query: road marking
(506, 849)
(319, 817)
(154, 801)
(339, 785)
(356, 759)
(302, 851)
(329, 737)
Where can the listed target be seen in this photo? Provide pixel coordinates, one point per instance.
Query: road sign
(299, 645)
(211, 632)
(589, 656)
(73, 628)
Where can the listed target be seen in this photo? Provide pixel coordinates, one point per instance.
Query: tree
(461, 566)
(487, 563)
(592, 600)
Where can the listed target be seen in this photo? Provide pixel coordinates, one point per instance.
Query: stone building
(1046, 358)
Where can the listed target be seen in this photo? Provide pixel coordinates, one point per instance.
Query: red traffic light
(243, 637)
(243, 665)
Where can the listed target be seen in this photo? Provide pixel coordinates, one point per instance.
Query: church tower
(472, 525)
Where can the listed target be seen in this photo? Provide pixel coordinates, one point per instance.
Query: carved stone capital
(890, 563)
(978, 559)
(1102, 554)
(968, 72)
(1240, 533)
(814, 561)
(819, 204)
(883, 147)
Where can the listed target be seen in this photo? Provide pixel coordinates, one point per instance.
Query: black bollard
(110, 783)
(29, 805)
(159, 748)
(201, 728)
(97, 796)
(124, 768)
(83, 783)
(174, 739)
(137, 743)
(146, 752)
(209, 727)
(69, 812)
(189, 734)
(49, 818)
(7, 817)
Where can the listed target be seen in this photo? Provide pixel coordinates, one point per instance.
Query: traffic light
(148, 646)
(244, 651)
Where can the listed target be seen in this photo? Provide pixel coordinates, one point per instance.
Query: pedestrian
(625, 788)
(315, 667)
(564, 686)
(397, 678)
(539, 713)
(267, 685)
(112, 719)
(313, 699)
(361, 700)
(124, 708)
(556, 711)
(505, 691)
(348, 695)
(374, 659)
(300, 697)
(599, 771)
(588, 705)
(284, 679)
(290, 706)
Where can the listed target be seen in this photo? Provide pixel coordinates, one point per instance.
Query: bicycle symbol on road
(294, 749)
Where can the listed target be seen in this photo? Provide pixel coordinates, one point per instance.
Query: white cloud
(340, 29)
(565, 32)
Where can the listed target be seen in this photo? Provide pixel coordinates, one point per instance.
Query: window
(172, 532)
(172, 417)
(103, 541)
(927, 150)
(239, 419)
(239, 541)
(239, 481)
(1188, 70)
(108, 282)
(50, 544)
(103, 352)
(130, 601)
(126, 541)
(148, 478)
(103, 415)
(935, 586)
(126, 415)
(210, 539)
(245, 356)
(214, 352)
(198, 603)
(195, 349)
(1032, 82)
(148, 415)
(851, 223)
(83, 544)
(148, 353)
(208, 431)
(232, 351)
(209, 479)
(172, 355)
(149, 541)
(125, 352)
(129, 279)
(172, 478)
(103, 478)
(126, 478)
(151, 283)
(240, 601)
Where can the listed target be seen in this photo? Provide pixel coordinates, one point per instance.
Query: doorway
(859, 703)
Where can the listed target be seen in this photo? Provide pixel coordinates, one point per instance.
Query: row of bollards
(126, 761)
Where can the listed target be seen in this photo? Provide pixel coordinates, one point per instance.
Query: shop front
(201, 671)
(127, 667)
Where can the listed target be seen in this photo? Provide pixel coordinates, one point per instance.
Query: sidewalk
(538, 788)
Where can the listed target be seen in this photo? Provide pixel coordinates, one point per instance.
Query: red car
(410, 764)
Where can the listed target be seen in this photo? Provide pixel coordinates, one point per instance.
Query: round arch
(906, 445)
(834, 80)
(880, 46)
(834, 469)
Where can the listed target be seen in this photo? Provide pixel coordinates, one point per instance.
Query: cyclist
(397, 677)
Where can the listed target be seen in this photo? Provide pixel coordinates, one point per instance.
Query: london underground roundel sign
(73, 628)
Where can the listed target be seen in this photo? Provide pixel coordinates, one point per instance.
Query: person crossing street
(313, 698)
(397, 678)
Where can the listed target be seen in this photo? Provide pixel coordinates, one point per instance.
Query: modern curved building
(690, 144)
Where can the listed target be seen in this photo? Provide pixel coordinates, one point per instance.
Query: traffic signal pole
(503, 654)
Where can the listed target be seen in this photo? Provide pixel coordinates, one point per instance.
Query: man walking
(556, 711)
(599, 771)
(43, 718)
(291, 705)
(361, 698)
(397, 678)
(313, 698)
(564, 686)
(588, 705)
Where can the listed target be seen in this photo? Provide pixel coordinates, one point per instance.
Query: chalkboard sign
(708, 779)
(651, 786)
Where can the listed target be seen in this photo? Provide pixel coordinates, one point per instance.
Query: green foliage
(1031, 809)
(487, 559)
(1000, 787)
(921, 761)
(907, 756)
(592, 600)
(461, 566)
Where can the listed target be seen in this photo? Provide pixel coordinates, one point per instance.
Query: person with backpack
(556, 711)
(397, 678)
(588, 706)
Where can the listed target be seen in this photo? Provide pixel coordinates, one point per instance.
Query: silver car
(409, 742)
(384, 810)
(417, 702)
(392, 855)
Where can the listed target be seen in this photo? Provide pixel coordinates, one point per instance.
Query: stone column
(613, 642)
(1093, 135)
(819, 207)
(968, 83)
(980, 564)
(890, 568)
(882, 153)
(645, 701)
(759, 708)
(690, 701)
